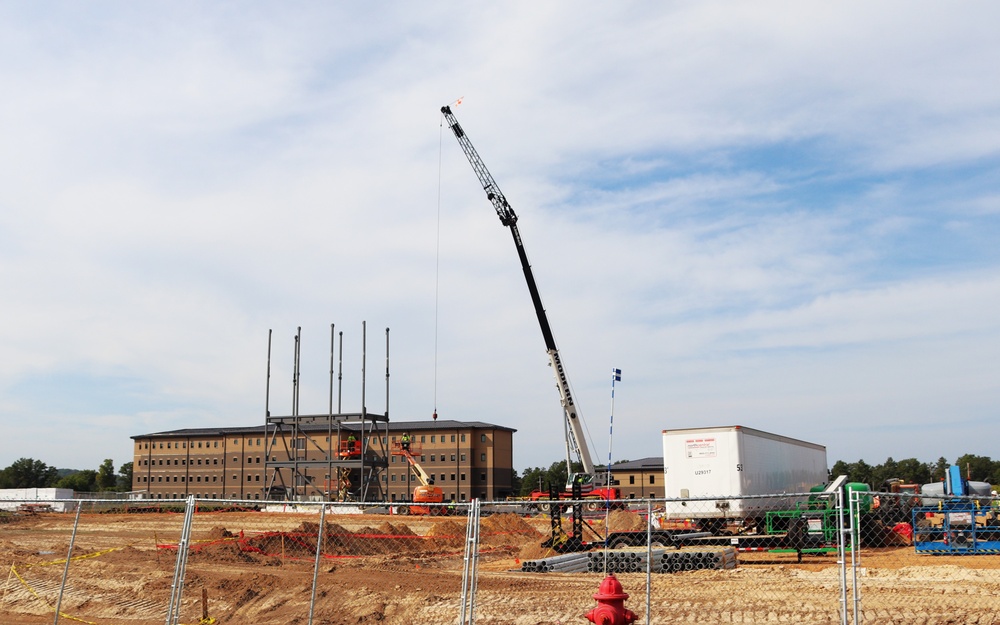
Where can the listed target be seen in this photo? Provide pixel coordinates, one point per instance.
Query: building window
(463, 478)
(432, 455)
(249, 478)
(256, 478)
(393, 477)
(463, 440)
(236, 441)
(463, 457)
(453, 438)
(453, 457)
(482, 477)
(631, 479)
(482, 457)
(258, 460)
(235, 459)
(168, 445)
(442, 477)
(258, 442)
(215, 444)
(423, 439)
(482, 438)
(432, 438)
(452, 477)
(652, 479)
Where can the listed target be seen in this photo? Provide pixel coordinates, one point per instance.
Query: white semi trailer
(715, 475)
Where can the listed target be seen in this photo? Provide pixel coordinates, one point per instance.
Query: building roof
(643, 464)
(392, 426)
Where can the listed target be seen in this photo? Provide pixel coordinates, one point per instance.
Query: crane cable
(437, 264)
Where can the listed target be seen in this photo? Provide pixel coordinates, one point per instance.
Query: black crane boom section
(507, 218)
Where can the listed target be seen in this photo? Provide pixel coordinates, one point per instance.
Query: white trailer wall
(736, 461)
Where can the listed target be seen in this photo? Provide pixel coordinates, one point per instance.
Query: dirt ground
(258, 568)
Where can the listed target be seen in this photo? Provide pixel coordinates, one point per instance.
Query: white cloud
(778, 213)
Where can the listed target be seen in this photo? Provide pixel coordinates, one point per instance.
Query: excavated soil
(253, 567)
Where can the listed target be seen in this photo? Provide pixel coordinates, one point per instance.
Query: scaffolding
(335, 456)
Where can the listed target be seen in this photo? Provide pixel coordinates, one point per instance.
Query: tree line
(31, 473)
(913, 471)
(908, 470)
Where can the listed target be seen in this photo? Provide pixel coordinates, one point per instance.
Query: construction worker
(352, 443)
(405, 441)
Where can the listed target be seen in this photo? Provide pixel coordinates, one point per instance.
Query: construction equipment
(592, 485)
(956, 517)
(427, 498)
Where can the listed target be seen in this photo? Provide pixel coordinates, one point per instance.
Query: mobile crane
(593, 486)
(427, 498)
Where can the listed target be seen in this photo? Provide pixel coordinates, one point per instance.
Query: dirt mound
(446, 534)
(625, 521)
(507, 529)
(218, 533)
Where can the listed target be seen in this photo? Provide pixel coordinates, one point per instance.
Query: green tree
(125, 477)
(940, 468)
(81, 481)
(912, 471)
(28, 473)
(106, 478)
(976, 468)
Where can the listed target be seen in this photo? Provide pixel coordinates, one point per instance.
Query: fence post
(319, 549)
(177, 587)
(69, 556)
(467, 614)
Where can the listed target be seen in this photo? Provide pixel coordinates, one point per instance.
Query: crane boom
(575, 438)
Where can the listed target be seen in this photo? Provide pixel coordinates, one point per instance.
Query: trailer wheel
(544, 508)
(620, 542)
(592, 506)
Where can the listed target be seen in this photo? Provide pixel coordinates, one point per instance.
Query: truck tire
(545, 508)
(592, 506)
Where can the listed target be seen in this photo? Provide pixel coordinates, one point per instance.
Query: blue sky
(781, 215)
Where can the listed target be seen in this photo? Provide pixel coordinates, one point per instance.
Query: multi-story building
(466, 459)
(640, 479)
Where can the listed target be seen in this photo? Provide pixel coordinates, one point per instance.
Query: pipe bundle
(618, 561)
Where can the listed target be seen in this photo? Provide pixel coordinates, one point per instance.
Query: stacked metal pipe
(618, 561)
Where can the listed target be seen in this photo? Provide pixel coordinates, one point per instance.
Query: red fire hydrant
(610, 608)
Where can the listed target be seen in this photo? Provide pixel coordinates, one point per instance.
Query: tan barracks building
(467, 460)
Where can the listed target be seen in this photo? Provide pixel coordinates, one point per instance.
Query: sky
(780, 215)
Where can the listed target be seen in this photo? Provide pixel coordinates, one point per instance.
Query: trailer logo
(700, 447)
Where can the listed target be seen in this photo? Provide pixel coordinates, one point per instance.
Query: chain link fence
(806, 558)
(925, 558)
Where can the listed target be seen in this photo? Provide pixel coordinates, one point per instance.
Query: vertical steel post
(855, 554)
(319, 549)
(467, 614)
(69, 556)
(649, 555)
(842, 556)
(177, 586)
